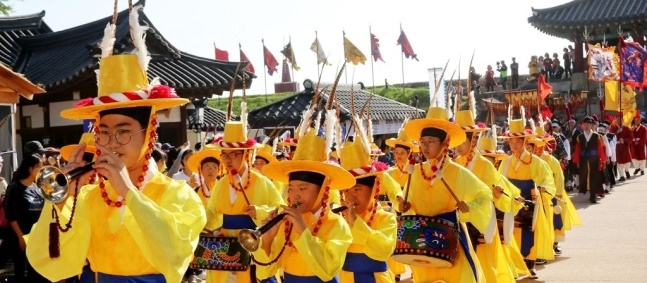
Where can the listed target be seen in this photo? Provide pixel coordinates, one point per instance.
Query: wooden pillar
(578, 66)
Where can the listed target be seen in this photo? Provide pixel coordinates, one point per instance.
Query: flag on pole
(403, 41)
(289, 54)
(243, 58)
(375, 48)
(221, 55)
(603, 63)
(316, 48)
(633, 58)
(612, 97)
(544, 88)
(270, 61)
(352, 53)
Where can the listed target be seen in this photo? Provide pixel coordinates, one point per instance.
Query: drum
(220, 253)
(427, 241)
(523, 219)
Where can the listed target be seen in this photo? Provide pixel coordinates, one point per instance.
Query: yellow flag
(352, 53)
(612, 98)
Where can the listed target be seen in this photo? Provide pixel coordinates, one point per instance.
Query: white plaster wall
(36, 114)
(55, 119)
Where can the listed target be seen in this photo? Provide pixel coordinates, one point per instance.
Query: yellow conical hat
(195, 159)
(403, 139)
(234, 138)
(375, 150)
(436, 118)
(487, 145)
(310, 156)
(87, 138)
(266, 152)
(465, 119)
(358, 162)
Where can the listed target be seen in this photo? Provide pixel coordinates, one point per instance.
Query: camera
(498, 63)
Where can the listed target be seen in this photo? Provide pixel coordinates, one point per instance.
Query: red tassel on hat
(54, 242)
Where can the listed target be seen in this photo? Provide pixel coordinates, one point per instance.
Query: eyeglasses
(122, 137)
(230, 155)
(210, 168)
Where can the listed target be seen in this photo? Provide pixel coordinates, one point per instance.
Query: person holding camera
(503, 70)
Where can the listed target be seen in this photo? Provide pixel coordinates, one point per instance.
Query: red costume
(638, 144)
(625, 138)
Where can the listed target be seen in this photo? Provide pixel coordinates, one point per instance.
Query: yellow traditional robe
(494, 262)
(156, 232)
(569, 214)
(376, 241)
(393, 192)
(321, 255)
(537, 171)
(261, 193)
(431, 199)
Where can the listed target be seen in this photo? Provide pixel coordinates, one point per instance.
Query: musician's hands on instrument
(76, 161)
(497, 191)
(404, 206)
(541, 189)
(463, 207)
(109, 165)
(294, 216)
(193, 183)
(216, 232)
(271, 233)
(349, 214)
(251, 211)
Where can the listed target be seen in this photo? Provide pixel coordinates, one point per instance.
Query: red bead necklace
(435, 168)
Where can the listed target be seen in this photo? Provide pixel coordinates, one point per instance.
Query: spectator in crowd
(474, 78)
(23, 204)
(489, 79)
(548, 66)
(160, 159)
(567, 63)
(34, 147)
(533, 68)
(186, 174)
(556, 64)
(503, 70)
(514, 70)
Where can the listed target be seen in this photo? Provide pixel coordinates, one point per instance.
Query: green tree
(5, 9)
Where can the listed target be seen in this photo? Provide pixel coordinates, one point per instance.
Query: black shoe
(622, 179)
(540, 261)
(397, 278)
(642, 173)
(593, 201)
(557, 249)
(606, 191)
(533, 274)
(636, 171)
(628, 176)
(569, 189)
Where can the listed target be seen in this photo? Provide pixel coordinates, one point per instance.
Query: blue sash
(289, 278)
(462, 238)
(557, 218)
(363, 267)
(237, 221)
(88, 277)
(585, 153)
(527, 235)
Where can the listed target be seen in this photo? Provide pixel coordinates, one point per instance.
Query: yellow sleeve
(542, 175)
(379, 242)
(167, 233)
(514, 193)
(392, 189)
(74, 243)
(558, 175)
(272, 199)
(478, 197)
(214, 220)
(325, 258)
(492, 177)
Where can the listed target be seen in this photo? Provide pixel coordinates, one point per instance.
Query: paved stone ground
(610, 246)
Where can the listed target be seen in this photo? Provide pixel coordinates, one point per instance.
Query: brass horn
(53, 182)
(249, 239)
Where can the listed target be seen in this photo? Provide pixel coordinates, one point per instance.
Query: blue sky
(437, 30)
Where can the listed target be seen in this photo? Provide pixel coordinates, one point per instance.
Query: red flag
(544, 88)
(243, 58)
(375, 48)
(270, 61)
(221, 55)
(406, 46)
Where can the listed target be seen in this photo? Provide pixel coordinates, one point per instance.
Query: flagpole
(370, 33)
(402, 62)
(264, 74)
(621, 43)
(292, 59)
(317, 53)
(345, 72)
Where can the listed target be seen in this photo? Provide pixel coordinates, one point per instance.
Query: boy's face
(131, 138)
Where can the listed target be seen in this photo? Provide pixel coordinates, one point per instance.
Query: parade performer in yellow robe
(241, 199)
(487, 146)
(531, 175)
(488, 245)
(264, 156)
(310, 243)
(565, 214)
(373, 228)
(138, 225)
(435, 185)
(207, 164)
